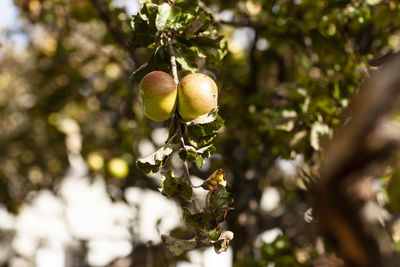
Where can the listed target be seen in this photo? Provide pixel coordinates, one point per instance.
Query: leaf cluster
(196, 40)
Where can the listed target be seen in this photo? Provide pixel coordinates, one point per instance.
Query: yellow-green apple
(158, 91)
(197, 95)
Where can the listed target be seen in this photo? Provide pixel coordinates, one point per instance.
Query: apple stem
(173, 60)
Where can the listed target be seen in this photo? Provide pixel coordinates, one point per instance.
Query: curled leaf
(154, 162)
(221, 245)
(215, 179)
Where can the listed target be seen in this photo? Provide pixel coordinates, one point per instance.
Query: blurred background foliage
(285, 83)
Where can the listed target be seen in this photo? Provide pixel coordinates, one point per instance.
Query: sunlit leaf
(215, 179)
(154, 162)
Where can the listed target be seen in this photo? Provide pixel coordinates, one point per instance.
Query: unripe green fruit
(118, 168)
(197, 95)
(158, 91)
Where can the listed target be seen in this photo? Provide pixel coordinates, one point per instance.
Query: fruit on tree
(95, 161)
(197, 95)
(158, 91)
(118, 167)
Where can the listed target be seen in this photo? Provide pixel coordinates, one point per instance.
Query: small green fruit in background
(158, 91)
(118, 168)
(197, 95)
(95, 161)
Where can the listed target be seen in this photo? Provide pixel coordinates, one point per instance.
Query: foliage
(73, 90)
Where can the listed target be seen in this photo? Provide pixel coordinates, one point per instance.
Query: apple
(118, 167)
(197, 95)
(95, 161)
(158, 91)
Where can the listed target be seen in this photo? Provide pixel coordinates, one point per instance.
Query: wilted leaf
(176, 187)
(215, 179)
(221, 245)
(177, 246)
(154, 162)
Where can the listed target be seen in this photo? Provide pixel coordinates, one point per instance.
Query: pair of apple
(196, 95)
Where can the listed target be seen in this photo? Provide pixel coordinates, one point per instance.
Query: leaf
(176, 188)
(188, 153)
(192, 154)
(202, 130)
(202, 221)
(183, 61)
(215, 179)
(158, 60)
(177, 246)
(186, 57)
(164, 11)
(172, 21)
(154, 162)
(143, 27)
(167, 17)
(220, 202)
(195, 25)
(223, 242)
(211, 45)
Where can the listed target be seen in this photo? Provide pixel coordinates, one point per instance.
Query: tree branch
(186, 172)
(173, 60)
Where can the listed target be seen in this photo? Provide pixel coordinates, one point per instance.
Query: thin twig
(173, 60)
(185, 165)
(179, 129)
(186, 172)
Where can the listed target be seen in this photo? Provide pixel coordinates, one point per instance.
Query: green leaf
(191, 154)
(183, 61)
(186, 57)
(203, 221)
(143, 27)
(164, 11)
(211, 45)
(158, 60)
(168, 17)
(220, 202)
(202, 130)
(176, 188)
(195, 25)
(154, 162)
(177, 246)
(190, 6)
(172, 21)
(188, 153)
